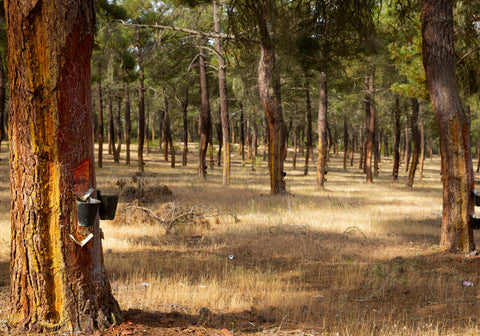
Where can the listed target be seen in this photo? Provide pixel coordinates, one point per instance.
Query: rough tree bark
(322, 133)
(54, 282)
(270, 96)
(2, 104)
(452, 123)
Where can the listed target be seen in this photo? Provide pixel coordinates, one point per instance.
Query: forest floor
(190, 257)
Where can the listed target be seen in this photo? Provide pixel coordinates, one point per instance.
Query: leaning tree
(58, 279)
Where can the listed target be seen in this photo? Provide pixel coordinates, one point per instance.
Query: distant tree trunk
(147, 123)
(55, 285)
(416, 142)
(128, 125)
(396, 139)
(295, 140)
(308, 143)
(345, 141)
(369, 126)
(118, 130)
(141, 114)
(210, 146)
(407, 153)
(452, 123)
(111, 129)
(422, 146)
(335, 140)
(322, 132)
(205, 121)
(386, 149)
(185, 128)
(254, 144)
(376, 149)
(362, 148)
(353, 147)
(242, 135)
(218, 128)
(100, 118)
(167, 133)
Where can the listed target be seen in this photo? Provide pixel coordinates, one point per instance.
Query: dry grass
(356, 259)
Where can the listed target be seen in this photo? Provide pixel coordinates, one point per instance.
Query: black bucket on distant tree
(108, 206)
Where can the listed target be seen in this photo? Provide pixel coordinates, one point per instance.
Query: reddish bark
(452, 122)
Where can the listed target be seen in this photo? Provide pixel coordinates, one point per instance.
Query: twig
(150, 212)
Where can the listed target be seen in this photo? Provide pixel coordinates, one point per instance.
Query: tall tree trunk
(295, 141)
(353, 147)
(322, 132)
(100, 118)
(416, 142)
(218, 128)
(308, 143)
(362, 148)
(254, 143)
(222, 87)
(111, 129)
(396, 139)
(242, 135)
(128, 125)
(270, 96)
(147, 123)
(345, 141)
(422, 145)
(54, 283)
(407, 153)
(118, 130)
(141, 116)
(185, 128)
(369, 126)
(452, 123)
(205, 121)
(167, 133)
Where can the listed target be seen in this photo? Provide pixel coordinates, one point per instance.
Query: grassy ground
(356, 259)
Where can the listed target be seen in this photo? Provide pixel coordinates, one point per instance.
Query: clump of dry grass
(356, 259)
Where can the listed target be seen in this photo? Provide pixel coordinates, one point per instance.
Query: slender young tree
(55, 284)
(416, 142)
(128, 125)
(222, 87)
(205, 119)
(396, 138)
(452, 122)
